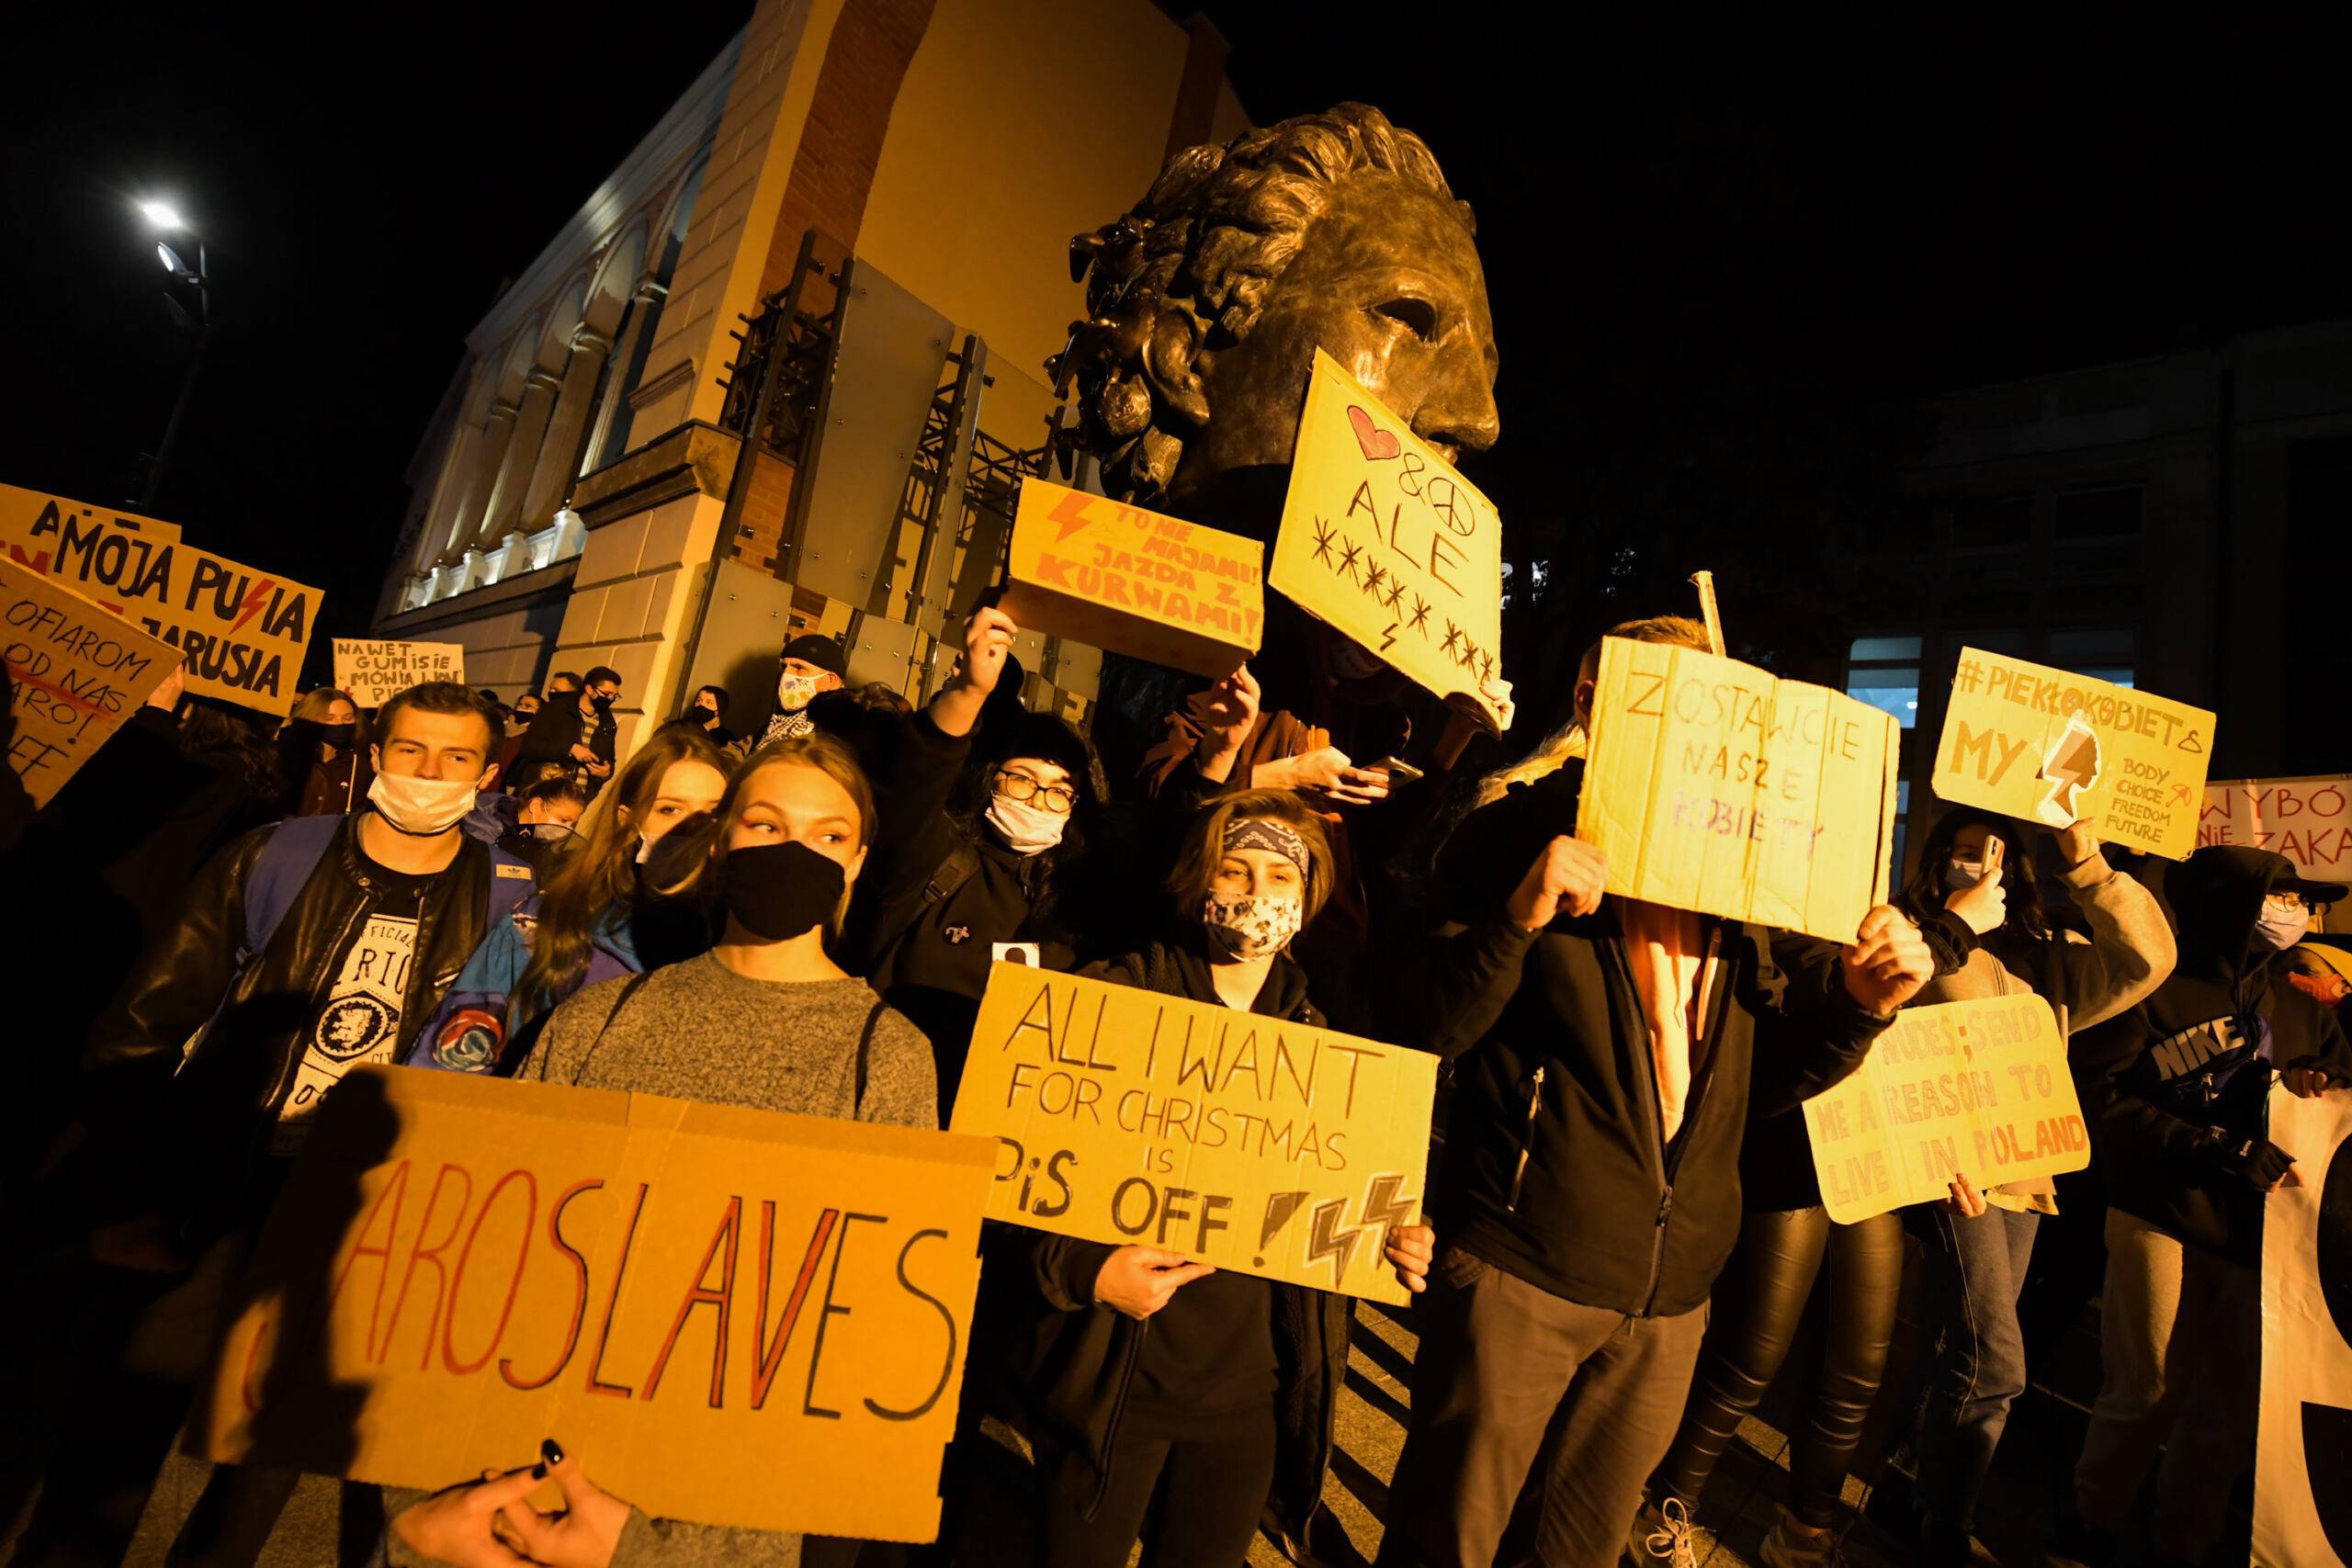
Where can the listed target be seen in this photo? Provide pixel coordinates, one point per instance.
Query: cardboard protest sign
(2045, 746)
(22, 511)
(1117, 577)
(75, 673)
(1254, 1144)
(1711, 786)
(2303, 1434)
(1382, 538)
(732, 1317)
(1979, 1087)
(241, 632)
(374, 672)
(2309, 820)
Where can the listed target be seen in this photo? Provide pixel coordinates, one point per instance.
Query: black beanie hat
(824, 652)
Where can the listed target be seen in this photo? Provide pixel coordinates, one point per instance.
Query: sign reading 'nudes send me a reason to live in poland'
(1383, 539)
(1259, 1144)
(1127, 580)
(241, 632)
(75, 673)
(1977, 1089)
(732, 1317)
(1712, 786)
(375, 672)
(2047, 746)
(2302, 1509)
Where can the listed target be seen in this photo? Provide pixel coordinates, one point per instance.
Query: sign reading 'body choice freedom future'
(2046, 746)
(1128, 580)
(734, 1316)
(2309, 820)
(1977, 1087)
(75, 673)
(1382, 538)
(1259, 1144)
(375, 672)
(241, 632)
(1712, 786)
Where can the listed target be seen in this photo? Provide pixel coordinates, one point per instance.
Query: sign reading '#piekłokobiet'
(1978, 1089)
(241, 632)
(1384, 540)
(2046, 746)
(1257, 1145)
(732, 1317)
(75, 673)
(1132, 582)
(1712, 786)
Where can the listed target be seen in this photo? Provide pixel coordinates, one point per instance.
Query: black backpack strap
(952, 872)
(865, 1049)
(629, 989)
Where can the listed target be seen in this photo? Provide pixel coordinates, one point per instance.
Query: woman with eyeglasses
(608, 907)
(985, 828)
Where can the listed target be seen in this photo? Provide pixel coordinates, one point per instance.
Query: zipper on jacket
(1526, 1143)
(1118, 1410)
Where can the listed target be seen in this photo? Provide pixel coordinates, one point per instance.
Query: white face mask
(1025, 828)
(421, 807)
(793, 691)
(2279, 928)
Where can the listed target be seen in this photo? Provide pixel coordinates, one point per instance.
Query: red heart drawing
(1376, 442)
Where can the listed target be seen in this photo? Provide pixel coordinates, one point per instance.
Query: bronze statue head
(1206, 303)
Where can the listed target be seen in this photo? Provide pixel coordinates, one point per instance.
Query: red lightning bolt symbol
(1070, 513)
(254, 600)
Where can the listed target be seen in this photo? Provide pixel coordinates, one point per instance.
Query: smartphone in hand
(1399, 770)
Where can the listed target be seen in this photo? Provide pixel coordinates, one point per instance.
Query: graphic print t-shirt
(360, 1021)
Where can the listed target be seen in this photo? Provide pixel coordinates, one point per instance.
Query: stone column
(558, 462)
(489, 449)
(645, 303)
(499, 518)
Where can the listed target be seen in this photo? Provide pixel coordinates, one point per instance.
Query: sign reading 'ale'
(1714, 786)
(74, 674)
(733, 1316)
(241, 632)
(1384, 540)
(2043, 745)
(1259, 1144)
(1977, 1089)
(1127, 580)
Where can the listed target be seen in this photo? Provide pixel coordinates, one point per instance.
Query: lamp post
(163, 218)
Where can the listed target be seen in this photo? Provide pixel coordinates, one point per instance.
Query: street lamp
(164, 217)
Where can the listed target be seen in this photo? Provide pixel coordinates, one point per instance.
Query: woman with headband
(1156, 1377)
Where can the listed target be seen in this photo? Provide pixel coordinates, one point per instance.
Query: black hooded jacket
(2180, 1085)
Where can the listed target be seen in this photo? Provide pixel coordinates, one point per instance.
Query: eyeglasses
(2286, 898)
(1020, 789)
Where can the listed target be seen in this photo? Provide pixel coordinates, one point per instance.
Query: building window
(2104, 653)
(1902, 830)
(2113, 512)
(2004, 523)
(1884, 672)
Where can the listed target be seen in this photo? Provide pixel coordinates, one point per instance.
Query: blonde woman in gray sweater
(1975, 881)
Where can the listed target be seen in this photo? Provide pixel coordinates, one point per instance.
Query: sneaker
(1788, 1546)
(2077, 1545)
(1662, 1536)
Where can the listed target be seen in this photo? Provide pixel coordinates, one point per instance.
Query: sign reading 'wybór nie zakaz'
(1712, 785)
(374, 672)
(75, 673)
(1259, 1144)
(733, 1316)
(2309, 820)
(2047, 746)
(241, 632)
(1382, 538)
(1978, 1089)
(1127, 580)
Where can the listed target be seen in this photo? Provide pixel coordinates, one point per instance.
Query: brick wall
(760, 541)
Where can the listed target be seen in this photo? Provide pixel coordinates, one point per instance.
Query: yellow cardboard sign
(22, 511)
(1257, 1145)
(1711, 786)
(1384, 540)
(733, 1316)
(2045, 746)
(373, 672)
(1977, 1088)
(1120, 578)
(2309, 820)
(241, 632)
(74, 674)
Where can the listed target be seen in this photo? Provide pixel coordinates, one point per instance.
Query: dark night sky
(1887, 209)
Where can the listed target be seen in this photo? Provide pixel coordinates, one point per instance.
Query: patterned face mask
(794, 693)
(1247, 926)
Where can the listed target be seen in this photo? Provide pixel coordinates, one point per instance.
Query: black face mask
(337, 735)
(702, 713)
(777, 891)
(601, 705)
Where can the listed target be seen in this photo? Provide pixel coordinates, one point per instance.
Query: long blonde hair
(1568, 743)
(818, 750)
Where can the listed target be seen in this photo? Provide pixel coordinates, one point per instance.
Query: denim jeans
(1968, 1310)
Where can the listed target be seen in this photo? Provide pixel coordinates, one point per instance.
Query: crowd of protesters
(1624, 1228)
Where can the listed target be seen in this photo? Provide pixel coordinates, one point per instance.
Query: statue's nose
(1459, 410)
